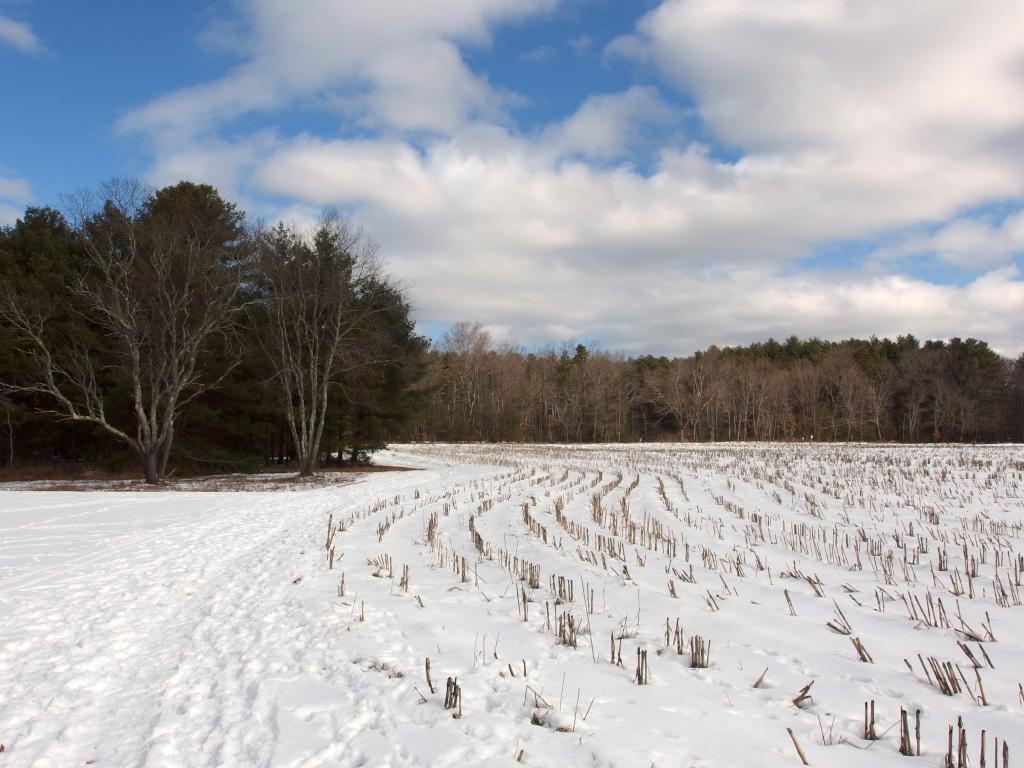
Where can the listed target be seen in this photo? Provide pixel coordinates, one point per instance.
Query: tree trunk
(10, 440)
(151, 466)
(165, 452)
(309, 463)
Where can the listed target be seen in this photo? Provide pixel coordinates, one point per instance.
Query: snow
(188, 628)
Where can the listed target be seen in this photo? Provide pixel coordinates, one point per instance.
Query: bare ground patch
(83, 478)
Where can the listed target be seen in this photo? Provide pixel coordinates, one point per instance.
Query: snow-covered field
(210, 629)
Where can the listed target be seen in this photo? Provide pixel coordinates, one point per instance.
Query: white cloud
(539, 55)
(581, 44)
(224, 164)
(842, 74)
(863, 101)
(569, 251)
(738, 306)
(389, 174)
(396, 64)
(15, 192)
(846, 120)
(14, 188)
(8, 214)
(512, 192)
(18, 34)
(975, 243)
(606, 125)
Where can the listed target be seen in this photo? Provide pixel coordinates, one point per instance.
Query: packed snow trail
(157, 628)
(209, 629)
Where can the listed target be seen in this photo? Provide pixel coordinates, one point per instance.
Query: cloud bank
(693, 208)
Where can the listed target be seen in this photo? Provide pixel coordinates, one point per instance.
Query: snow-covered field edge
(189, 628)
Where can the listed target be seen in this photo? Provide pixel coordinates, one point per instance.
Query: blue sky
(655, 176)
(97, 61)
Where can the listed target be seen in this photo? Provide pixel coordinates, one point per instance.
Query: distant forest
(798, 389)
(160, 328)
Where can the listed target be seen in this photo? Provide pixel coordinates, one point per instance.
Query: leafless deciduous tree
(318, 303)
(159, 285)
(670, 389)
(7, 406)
(466, 349)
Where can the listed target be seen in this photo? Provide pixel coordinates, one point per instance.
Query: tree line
(165, 330)
(160, 327)
(875, 389)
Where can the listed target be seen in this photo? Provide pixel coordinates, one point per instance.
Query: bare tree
(1017, 392)
(670, 389)
(8, 406)
(807, 391)
(913, 374)
(159, 285)
(880, 386)
(704, 384)
(845, 387)
(319, 301)
(465, 348)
